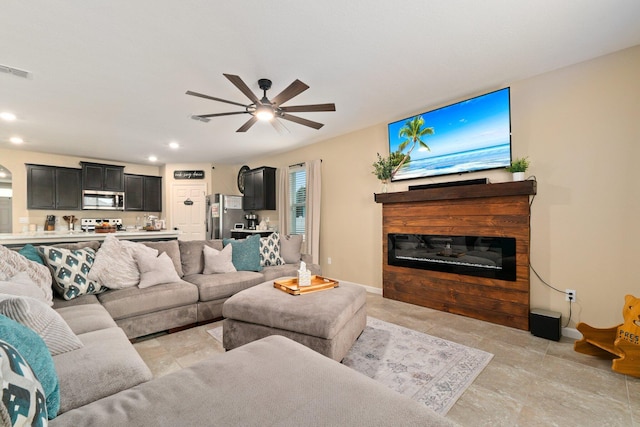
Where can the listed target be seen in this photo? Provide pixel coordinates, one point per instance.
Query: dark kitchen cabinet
(142, 193)
(50, 187)
(96, 176)
(259, 189)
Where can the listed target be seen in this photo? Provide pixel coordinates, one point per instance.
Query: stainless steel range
(89, 224)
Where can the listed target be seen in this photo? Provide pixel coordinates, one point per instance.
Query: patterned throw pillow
(246, 253)
(36, 354)
(270, 250)
(70, 269)
(23, 401)
(44, 321)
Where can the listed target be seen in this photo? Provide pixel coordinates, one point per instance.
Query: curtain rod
(300, 164)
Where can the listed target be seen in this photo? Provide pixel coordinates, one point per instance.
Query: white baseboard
(571, 333)
(370, 289)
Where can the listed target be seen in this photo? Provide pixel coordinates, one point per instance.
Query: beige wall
(579, 127)
(14, 161)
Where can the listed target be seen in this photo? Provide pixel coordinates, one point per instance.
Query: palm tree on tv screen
(413, 132)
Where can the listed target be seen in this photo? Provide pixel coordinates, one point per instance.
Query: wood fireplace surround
(499, 210)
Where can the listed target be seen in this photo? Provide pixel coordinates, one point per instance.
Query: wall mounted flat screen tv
(467, 136)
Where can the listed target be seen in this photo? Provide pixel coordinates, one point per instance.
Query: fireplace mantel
(475, 191)
(499, 210)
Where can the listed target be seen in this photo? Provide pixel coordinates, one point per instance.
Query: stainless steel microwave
(103, 200)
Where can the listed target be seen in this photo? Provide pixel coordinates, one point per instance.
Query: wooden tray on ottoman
(318, 283)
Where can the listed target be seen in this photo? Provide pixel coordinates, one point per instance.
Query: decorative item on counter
(70, 219)
(304, 275)
(50, 223)
(105, 227)
(262, 226)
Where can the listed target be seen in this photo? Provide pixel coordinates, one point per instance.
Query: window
(297, 199)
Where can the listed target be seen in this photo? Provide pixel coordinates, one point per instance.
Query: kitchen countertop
(48, 237)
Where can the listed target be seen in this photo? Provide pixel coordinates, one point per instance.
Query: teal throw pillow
(35, 352)
(246, 253)
(31, 253)
(22, 400)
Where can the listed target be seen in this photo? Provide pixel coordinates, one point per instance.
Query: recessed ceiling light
(16, 140)
(174, 145)
(7, 116)
(153, 159)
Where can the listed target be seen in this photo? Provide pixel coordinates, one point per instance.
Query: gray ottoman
(328, 322)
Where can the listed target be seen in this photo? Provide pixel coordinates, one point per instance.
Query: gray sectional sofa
(272, 381)
(196, 297)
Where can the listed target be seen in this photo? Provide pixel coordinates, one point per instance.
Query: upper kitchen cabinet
(96, 176)
(142, 193)
(50, 187)
(259, 189)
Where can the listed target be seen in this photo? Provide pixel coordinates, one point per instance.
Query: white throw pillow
(216, 261)
(155, 270)
(290, 247)
(14, 263)
(114, 266)
(44, 321)
(21, 285)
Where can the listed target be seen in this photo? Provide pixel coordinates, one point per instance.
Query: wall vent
(15, 71)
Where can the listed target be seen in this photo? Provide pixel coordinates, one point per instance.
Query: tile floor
(529, 382)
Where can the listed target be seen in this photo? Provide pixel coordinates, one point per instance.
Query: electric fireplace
(483, 256)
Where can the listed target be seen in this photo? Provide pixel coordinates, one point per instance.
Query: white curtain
(282, 201)
(313, 170)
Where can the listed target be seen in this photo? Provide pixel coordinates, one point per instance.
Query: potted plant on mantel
(518, 167)
(385, 167)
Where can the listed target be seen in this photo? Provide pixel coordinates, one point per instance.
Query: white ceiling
(109, 77)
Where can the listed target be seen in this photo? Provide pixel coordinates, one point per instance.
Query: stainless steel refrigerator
(223, 213)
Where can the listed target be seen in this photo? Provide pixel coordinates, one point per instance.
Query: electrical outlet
(329, 260)
(23, 220)
(570, 295)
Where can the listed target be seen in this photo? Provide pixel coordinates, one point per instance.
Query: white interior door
(188, 210)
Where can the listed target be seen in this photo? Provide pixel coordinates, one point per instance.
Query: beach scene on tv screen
(467, 136)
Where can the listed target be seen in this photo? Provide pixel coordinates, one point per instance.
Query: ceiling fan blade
(237, 82)
(279, 126)
(245, 127)
(301, 121)
(294, 89)
(214, 98)
(204, 116)
(307, 108)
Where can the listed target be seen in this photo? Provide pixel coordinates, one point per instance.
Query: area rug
(430, 370)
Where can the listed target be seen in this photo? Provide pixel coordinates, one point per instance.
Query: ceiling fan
(265, 109)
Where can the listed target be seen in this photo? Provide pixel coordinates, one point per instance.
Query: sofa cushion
(238, 388)
(14, 263)
(270, 250)
(216, 286)
(155, 270)
(290, 247)
(192, 256)
(246, 253)
(107, 364)
(114, 266)
(93, 244)
(22, 285)
(35, 352)
(85, 318)
(69, 269)
(44, 321)
(216, 261)
(123, 303)
(21, 389)
(173, 251)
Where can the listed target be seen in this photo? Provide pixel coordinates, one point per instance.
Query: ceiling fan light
(264, 113)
